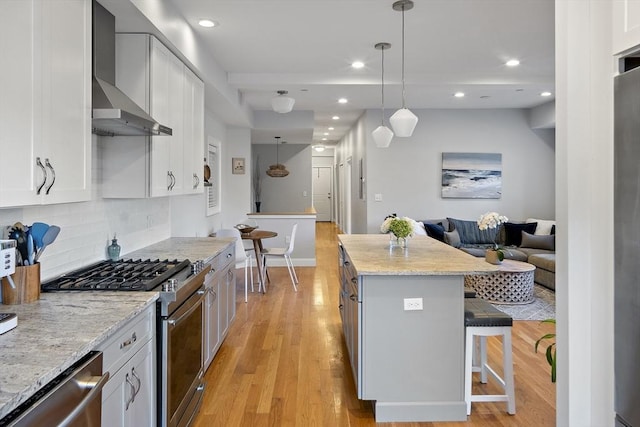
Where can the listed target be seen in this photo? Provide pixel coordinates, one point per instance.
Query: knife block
(27, 281)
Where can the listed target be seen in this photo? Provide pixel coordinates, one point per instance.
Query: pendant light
(277, 170)
(403, 121)
(382, 135)
(282, 103)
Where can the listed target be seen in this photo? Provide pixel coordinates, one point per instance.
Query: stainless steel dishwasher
(72, 399)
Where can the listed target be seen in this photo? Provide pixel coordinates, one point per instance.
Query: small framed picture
(237, 164)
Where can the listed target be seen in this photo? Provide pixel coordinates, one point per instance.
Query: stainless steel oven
(180, 352)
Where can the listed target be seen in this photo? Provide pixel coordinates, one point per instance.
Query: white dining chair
(283, 253)
(243, 259)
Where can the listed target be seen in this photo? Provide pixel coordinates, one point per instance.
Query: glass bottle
(114, 249)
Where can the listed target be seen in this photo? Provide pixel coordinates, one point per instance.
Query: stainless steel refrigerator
(627, 246)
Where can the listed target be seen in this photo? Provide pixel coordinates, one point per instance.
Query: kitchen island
(403, 321)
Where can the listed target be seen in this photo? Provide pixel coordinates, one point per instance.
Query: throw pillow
(513, 232)
(435, 230)
(547, 242)
(452, 238)
(544, 226)
(470, 234)
(418, 228)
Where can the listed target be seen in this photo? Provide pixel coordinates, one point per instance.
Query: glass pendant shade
(382, 136)
(282, 103)
(403, 122)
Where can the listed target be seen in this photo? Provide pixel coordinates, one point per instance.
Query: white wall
(584, 265)
(285, 194)
(236, 189)
(408, 174)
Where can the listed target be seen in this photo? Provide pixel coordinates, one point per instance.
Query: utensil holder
(27, 281)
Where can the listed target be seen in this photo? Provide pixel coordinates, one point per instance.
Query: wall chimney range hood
(114, 113)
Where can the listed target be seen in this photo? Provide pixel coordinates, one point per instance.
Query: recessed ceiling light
(207, 23)
(459, 94)
(324, 139)
(336, 117)
(357, 64)
(343, 100)
(319, 148)
(512, 63)
(331, 128)
(545, 94)
(326, 134)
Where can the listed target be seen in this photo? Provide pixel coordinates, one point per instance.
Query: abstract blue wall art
(471, 175)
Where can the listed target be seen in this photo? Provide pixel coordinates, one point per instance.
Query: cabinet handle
(128, 342)
(353, 297)
(133, 392)
(44, 173)
(173, 177)
(228, 255)
(354, 280)
(197, 181)
(340, 307)
(172, 180)
(53, 174)
(133, 372)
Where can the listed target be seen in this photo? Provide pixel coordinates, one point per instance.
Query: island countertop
(191, 248)
(56, 331)
(371, 255)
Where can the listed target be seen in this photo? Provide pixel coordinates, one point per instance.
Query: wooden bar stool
(482, 320)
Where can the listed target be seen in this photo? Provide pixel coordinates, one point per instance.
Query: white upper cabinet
(193, 135)
(626, 25)
(154, 78)
(45, 107)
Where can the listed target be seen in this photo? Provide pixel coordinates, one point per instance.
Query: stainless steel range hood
(114, 113)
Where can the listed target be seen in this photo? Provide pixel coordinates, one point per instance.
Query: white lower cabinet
(221, 302)
(129, 397)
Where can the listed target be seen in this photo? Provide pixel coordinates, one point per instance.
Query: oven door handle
(174, 322)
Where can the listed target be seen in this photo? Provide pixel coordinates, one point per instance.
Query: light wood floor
(284, 362)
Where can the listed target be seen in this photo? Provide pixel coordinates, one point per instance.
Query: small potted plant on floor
(551, 349)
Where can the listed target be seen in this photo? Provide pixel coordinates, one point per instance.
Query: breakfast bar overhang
(403, 321)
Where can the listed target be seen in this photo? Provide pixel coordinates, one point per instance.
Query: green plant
(400, 227)
(551, 349)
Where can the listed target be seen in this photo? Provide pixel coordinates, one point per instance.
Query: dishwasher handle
(95, 383)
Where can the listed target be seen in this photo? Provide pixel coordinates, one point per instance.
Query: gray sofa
(518, 239)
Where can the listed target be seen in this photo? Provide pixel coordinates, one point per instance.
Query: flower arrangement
(400, 227)
(491, 220)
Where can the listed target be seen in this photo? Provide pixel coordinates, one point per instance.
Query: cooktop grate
(121, 275)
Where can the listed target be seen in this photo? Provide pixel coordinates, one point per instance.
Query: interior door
(322, 193)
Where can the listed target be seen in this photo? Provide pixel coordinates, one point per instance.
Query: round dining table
(256, 236)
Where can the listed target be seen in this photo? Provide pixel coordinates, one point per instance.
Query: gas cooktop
(121, 275)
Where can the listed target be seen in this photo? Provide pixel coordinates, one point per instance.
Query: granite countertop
(191, 248)
(61, 327)
(55, 332)
(370, 255)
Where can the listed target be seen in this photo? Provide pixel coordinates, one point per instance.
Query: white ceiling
(306, 47)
